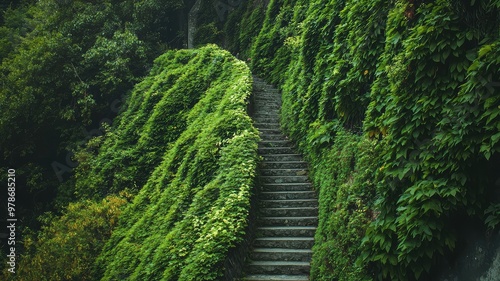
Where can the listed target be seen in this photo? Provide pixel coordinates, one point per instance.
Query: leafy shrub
(66, 247)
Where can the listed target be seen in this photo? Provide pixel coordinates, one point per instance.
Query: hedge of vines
(193, 207)
(396, 106)
(184, 152)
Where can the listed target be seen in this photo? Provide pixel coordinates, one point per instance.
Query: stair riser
(283, 187)
(279, 143)
(279, 270)
(277, 221)
(283, 165)
(285, 244)
(266, 114)
(279, 232)
(283, 179)
(266, 137)
(267, 119)
(258, 256)
(276, 150)
(271, 125)
(266, 101)
(276, 131)
(288, 203)
(283, 172)
(265, 90)
(289, 212)
(287, 195)
(282, 157)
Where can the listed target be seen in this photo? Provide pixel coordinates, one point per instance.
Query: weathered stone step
(259, 125)
(276, 150)
(271, 111)
(289, 212)
(275, 143)
(259, 103)
(284, 195)
(282, 157)
(280, 254)
(264, 89)
(262, 113)
(267, 119)
(272, 98)
(286, 231)
(266, 137)
(284, 242)
(289, 221)
(283, 172)
(290, 186)
(291, 203)
(270, 131)
(276, 278)
(283, 179)
(279, 267)
(283, 165)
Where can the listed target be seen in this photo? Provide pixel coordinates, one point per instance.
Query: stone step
(268, 112)
(260, 102)
(289, 203)
(278, 267)
(280, 254)
(286, 231)
(289, 212)
(268, 108)
(284, 242)
(305, 186)
(267, 137)
(268, 104)
(275, 143)
(276, 278)
(283, 172)
(284, 195)
(270, 131)
(272, 117)
(276, 150)
(273, 98)
(283, 179)
(260, 89)
(267, 119)
(283, 165)
(288, 221)
(282, 157)
(259, 125)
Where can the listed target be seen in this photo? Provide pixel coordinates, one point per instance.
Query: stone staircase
(288, 208)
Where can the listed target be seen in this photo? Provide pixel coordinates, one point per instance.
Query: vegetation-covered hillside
(396, 106)
(186, 146)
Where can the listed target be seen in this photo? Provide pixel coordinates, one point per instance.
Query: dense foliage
(66, 247)
(63, 66)
(193, 207)
(404, 95)
(186, 146)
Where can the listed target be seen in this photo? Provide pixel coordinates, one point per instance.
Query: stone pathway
(287, 204)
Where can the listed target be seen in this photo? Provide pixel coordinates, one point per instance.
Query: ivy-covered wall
(396, 106)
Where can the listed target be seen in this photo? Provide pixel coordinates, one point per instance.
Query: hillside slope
(185, 149)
